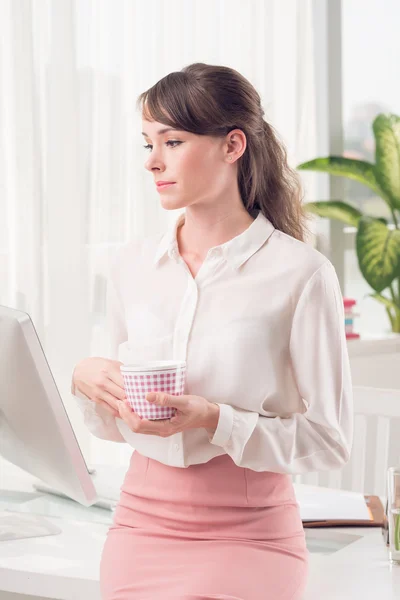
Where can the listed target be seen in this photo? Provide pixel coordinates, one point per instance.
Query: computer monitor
(35, 431)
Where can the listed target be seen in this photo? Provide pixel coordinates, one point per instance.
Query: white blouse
(261, 327)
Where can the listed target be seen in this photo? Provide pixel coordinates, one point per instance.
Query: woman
(207, 508)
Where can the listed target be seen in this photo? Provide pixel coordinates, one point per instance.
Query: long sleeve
(97, 419)
(320, 438)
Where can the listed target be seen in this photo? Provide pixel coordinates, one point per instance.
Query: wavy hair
(212, 100)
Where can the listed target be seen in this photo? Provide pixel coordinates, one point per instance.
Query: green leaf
(378, 251)
(360, 170)
(389, 306)
(334, 209)
(387, 156)
(386, 301)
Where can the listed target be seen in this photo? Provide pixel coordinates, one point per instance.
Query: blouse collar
(236, 251)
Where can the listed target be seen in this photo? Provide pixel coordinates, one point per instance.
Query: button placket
(215, 262)
(185, 320)
(175, 454)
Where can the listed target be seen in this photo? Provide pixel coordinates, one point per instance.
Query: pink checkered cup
(156, 376)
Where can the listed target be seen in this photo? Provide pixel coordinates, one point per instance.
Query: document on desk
(320, 504)
(17, 526)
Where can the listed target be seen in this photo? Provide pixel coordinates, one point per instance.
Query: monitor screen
(35, 431)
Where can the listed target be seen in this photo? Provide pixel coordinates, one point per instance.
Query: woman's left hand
(192, 412)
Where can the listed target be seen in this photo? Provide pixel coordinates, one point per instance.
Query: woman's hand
(100, 380)
(192, 412)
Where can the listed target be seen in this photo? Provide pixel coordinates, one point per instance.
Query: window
(370, 57)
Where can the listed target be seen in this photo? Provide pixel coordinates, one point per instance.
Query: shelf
(369, 344)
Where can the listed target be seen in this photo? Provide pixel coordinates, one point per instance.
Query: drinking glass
(393, 509)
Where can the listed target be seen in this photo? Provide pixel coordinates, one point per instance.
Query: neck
(200, 232)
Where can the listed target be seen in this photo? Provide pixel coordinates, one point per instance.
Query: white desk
(66, 566)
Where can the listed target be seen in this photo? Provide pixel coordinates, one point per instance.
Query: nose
(154, 162)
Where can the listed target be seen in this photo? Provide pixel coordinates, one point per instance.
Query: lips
(160, 183)
(161, 186)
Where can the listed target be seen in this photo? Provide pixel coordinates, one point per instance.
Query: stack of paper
(325, 504)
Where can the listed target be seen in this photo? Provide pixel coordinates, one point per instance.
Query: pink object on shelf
(350, 336)
(348, 302)
(349, 314)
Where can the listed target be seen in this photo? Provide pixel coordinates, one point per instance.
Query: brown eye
(149, 146)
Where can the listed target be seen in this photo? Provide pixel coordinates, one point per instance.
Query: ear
(236, 144)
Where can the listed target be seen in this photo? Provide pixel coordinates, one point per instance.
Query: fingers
(160, 427)
(115, 390)
(130, 417)
(110, 399)
(108, 392)
(113, 384)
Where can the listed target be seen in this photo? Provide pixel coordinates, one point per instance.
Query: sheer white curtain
(72, 181)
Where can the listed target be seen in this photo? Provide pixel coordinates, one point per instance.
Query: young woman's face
(195, 163)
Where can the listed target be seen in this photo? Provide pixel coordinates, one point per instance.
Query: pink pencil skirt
(213, 530)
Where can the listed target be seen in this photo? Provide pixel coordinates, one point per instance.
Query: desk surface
(66, 566)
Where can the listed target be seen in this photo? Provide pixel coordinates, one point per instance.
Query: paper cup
(156, 376)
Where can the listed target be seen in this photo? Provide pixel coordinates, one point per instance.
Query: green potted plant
(377, 245)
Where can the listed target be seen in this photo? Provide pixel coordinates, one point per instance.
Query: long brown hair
(212, 100)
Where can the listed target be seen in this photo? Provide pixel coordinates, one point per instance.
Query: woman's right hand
(101, 381)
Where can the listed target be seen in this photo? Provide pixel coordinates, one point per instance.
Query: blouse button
(176, 446)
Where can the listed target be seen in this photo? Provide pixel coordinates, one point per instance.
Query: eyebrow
(161, 131)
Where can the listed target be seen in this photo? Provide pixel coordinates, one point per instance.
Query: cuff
(98, 420)
(223, 433)
(88, 407)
